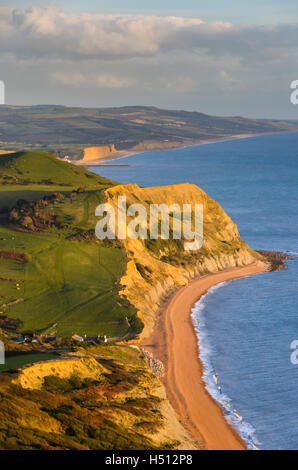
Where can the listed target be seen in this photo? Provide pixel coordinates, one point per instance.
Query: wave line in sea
(211, 378)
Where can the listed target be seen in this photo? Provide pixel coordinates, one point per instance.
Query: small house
(102, 339)
(78, 338)
(19, 340)
(96, 339)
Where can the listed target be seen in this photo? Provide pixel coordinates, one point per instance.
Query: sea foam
(210, 377)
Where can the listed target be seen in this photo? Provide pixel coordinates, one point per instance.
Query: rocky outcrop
(31, 216)
(276, 260)
(156, 267)
(155, 365)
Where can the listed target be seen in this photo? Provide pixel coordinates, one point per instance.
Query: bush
(52, 383)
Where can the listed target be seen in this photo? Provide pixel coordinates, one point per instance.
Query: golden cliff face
(97, 153)
(156, 267)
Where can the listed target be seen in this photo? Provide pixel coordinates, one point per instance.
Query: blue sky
(220, 57)
(238, 11)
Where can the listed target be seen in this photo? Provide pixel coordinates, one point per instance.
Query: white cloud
(50, 31)
(112, 81)
(228, 81)
(74, 79)
(107, 81)
(166, 61)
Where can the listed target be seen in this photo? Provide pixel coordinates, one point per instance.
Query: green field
(20, 360)
(71, 282)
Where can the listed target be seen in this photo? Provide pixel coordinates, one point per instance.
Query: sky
(240, 11)
(219, 57)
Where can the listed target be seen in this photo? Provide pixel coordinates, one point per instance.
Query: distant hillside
(69, 130)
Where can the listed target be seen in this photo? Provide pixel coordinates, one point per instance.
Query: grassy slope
(31, 175)
(40, 167)
(68, 283)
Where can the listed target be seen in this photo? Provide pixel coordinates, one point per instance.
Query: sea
(245, 327)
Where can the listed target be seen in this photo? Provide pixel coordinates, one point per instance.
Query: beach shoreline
(175, 343)
(128, 153)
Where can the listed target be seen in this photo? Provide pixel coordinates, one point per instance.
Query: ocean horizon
(255, 182)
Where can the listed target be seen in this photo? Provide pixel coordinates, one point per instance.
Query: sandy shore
(175, 343)
(106, 159)
(125, 153)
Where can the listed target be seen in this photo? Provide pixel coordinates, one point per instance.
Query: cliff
(156, 267)
(92, 154)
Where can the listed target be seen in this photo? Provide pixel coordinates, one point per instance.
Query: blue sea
(245, 327)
